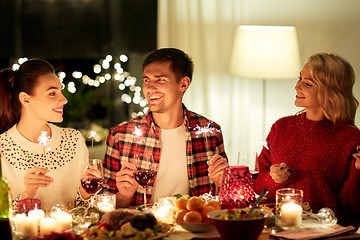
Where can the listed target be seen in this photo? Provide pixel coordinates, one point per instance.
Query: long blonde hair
(335, 77)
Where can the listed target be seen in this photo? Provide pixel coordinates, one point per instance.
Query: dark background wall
(76, 34)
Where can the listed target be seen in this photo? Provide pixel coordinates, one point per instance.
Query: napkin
(314, 232)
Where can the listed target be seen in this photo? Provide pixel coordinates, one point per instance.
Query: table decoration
(237, 189)
(164, 209)
(106, 201)
(289, 209)
(27, 204)
(47, 226)
(63, 222)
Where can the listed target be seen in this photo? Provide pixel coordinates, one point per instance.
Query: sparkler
(205, 130)
(92, 135)
(266, 146)
(137, 134)
(43, 140)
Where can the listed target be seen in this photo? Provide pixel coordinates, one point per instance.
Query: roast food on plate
(128, 224)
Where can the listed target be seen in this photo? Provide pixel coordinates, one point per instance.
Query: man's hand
(217, 164)
(126, 184)
(33, 179)
(280, 172)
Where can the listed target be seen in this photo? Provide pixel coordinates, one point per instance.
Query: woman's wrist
(27, 194)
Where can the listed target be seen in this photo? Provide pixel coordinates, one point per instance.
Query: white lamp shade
(265, 52)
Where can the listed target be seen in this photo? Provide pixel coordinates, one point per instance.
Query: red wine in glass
(144, 173)
(144, 177)
(92, 185)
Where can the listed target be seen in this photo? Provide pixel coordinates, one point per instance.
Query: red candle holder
(27, 204)
(237, 189)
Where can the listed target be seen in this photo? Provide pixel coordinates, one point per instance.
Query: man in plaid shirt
(187, 148)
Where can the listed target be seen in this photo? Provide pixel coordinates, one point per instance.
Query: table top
(180, 233)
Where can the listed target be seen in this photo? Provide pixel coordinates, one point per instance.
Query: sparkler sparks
(92, 136)
(137, 136)
(43, 140)
(205, 130)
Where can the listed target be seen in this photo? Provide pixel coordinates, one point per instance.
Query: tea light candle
(105, 207)
(63, 222)
(30, 227)
(291, 215)
(19, 222)
(47, 225)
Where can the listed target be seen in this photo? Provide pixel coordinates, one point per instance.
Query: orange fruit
(181, 203)
(192, 217)
(205, 211)
(214, 204)
(179, 215)
(195, 204)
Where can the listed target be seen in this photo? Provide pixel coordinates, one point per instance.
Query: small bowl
(239, 229)
(196, 227)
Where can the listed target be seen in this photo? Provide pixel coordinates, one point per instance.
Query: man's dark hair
(181, 63)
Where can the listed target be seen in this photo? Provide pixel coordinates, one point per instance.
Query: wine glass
(92, 183)
(144, 173)
(249, 159)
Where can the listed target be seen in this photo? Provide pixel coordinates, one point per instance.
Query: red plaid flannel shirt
(200, 147)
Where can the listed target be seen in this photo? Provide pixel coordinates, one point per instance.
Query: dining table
(180, 233)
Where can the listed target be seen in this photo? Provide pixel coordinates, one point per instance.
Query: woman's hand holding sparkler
(217, 164)
(280, 172)
(126, 184)
(33, 179)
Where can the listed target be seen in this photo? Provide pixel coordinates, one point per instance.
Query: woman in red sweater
(313, 149)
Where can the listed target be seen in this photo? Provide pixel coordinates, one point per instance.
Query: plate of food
(128, 224)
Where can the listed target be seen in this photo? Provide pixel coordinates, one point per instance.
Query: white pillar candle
(37, 214)
(291, 215)
(63, 222)
(19, 222)
(30, 227)
(47, 226)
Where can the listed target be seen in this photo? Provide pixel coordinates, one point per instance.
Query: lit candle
(291, 215)
(47, 226)
(105, 206)
(36, 214)
(30, 227)
(63, 222)
(19, 222)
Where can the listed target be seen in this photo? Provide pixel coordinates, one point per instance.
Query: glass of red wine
(92, 183)
(144, 173)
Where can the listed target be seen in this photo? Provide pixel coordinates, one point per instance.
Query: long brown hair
(335, 77)
(13, 82)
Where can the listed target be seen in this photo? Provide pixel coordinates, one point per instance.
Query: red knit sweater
(320, 157)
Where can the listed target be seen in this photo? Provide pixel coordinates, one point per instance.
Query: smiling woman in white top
(30, 98)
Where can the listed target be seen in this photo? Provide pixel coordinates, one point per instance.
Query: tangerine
(195, 204)
(205, 211)
(179, 215)
(213, 203)
(181, 202)
(192, 217)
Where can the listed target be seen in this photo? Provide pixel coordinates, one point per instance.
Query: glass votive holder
(106, 201)
(289, 202)
(27, 204)
(237, 189)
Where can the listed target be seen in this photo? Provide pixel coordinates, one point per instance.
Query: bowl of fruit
(239, 223)
(192, 213)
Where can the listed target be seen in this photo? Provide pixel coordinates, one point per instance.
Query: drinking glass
(144, 173)
(249, 159)
(289, 202)
(92, 183)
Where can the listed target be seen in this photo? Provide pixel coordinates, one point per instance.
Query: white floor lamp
(265, 52)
